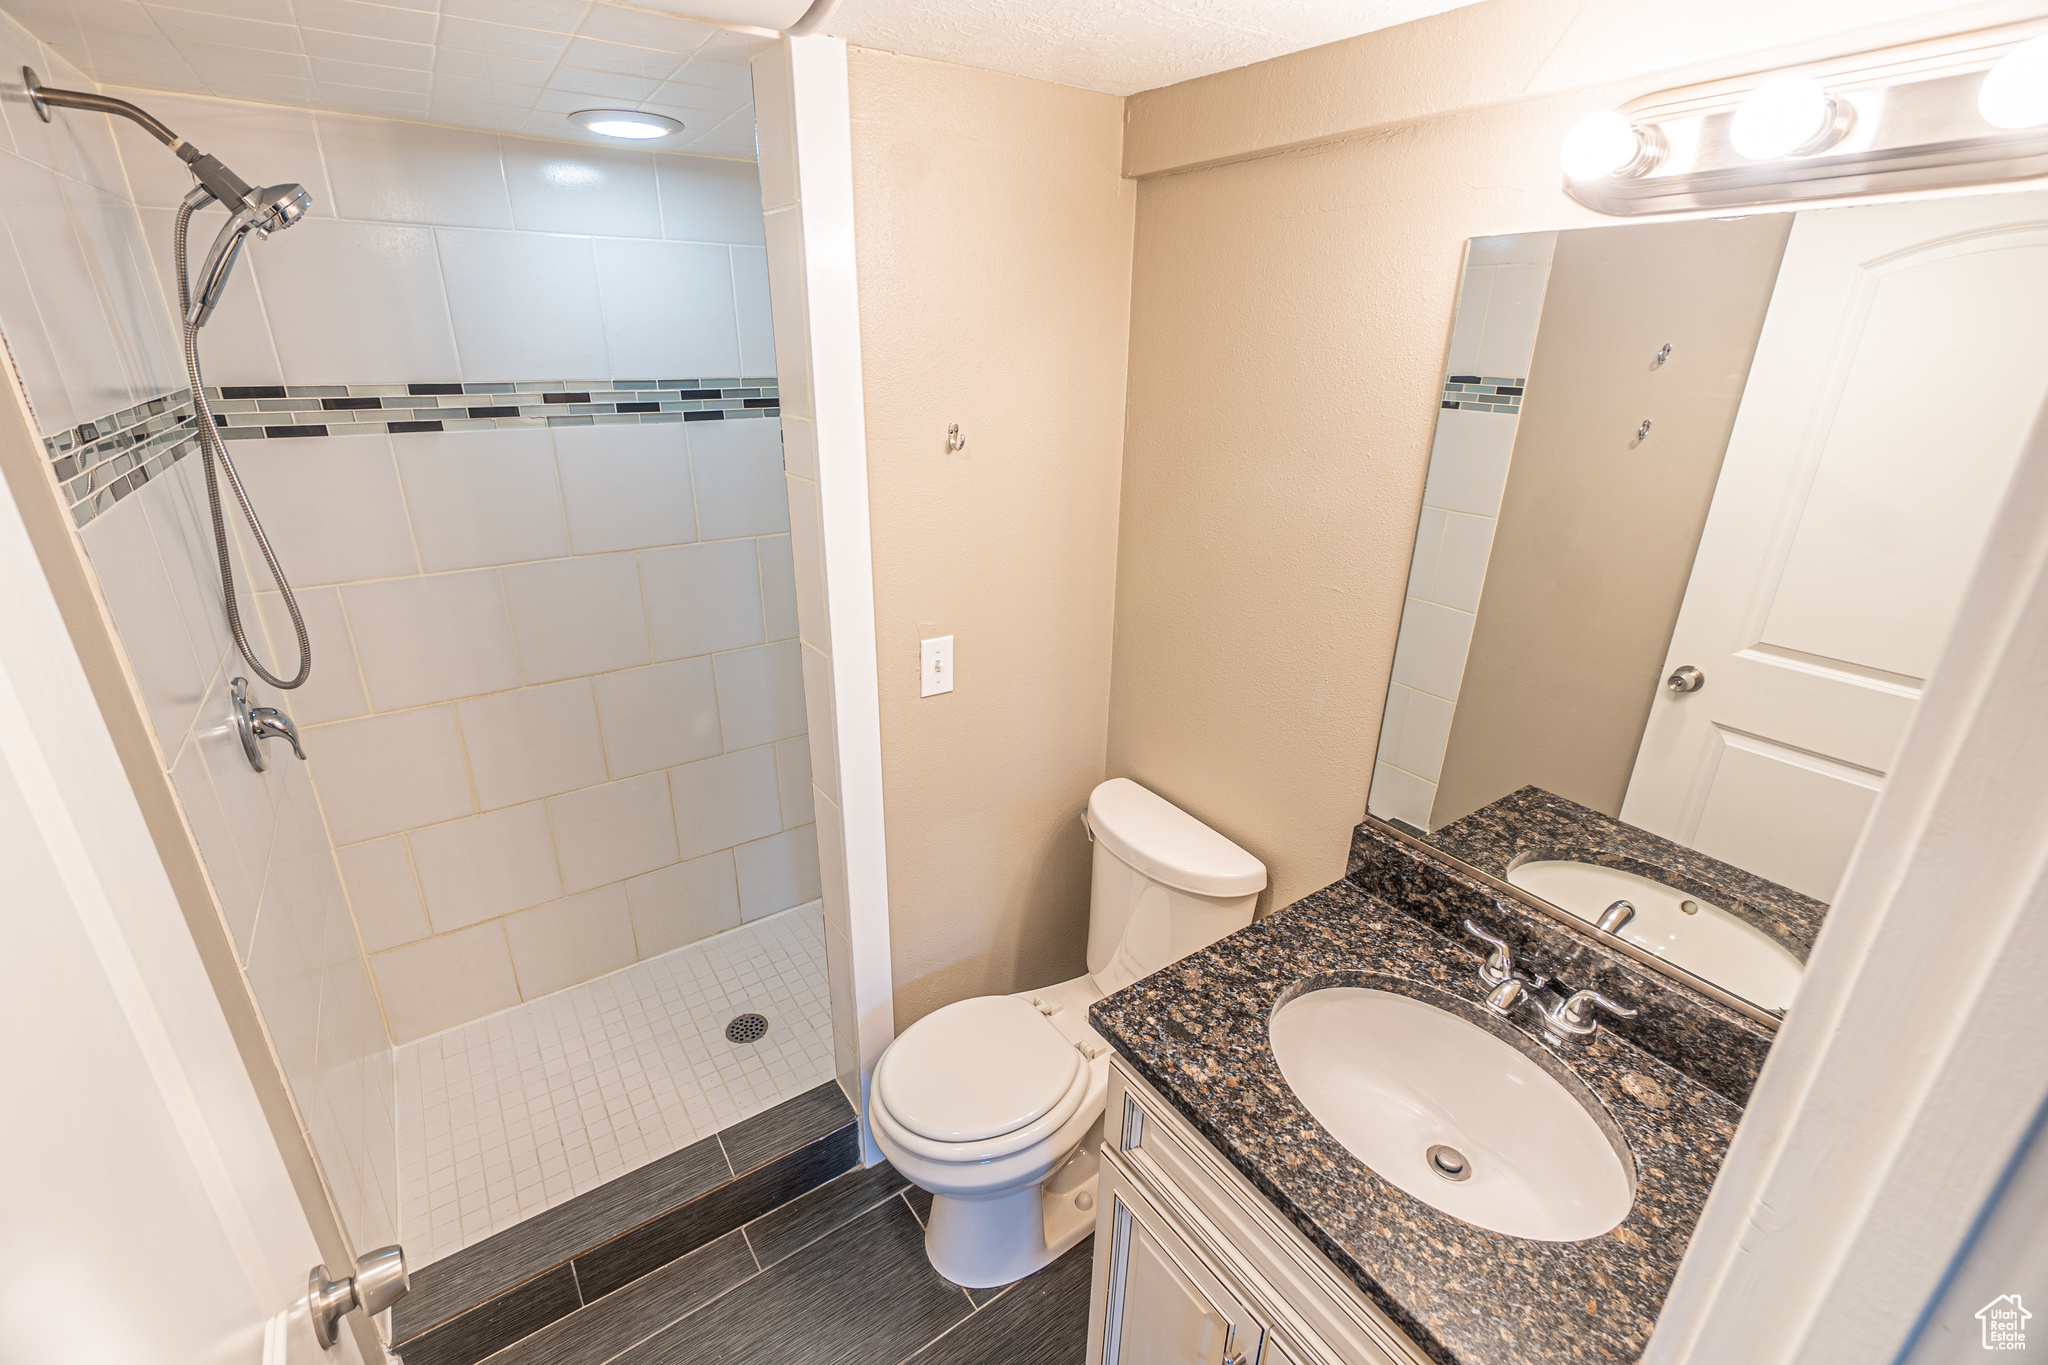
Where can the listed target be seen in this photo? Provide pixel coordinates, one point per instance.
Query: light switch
(935, 666)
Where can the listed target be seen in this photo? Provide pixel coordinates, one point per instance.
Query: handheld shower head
(263, 212)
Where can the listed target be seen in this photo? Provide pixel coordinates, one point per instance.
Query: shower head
(262, 211)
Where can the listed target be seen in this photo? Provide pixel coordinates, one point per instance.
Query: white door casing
(1898, 373)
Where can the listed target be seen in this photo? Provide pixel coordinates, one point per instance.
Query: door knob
(380, 1281)
(1686, 679)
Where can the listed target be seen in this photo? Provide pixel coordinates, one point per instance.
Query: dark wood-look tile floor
(835, 1277)
(517, 1282)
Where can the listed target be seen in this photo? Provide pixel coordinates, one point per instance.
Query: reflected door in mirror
(1901, 366)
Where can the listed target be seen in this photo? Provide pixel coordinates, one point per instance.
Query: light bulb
(1789, 116)
(1608, 144)
(2015, 91)
(626, 123)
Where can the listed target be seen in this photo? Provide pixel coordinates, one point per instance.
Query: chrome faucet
(1509, 983)
(1565, 1018)
(1573, 1017)
(1615, 915)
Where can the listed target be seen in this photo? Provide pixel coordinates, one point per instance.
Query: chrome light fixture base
(1903, 119)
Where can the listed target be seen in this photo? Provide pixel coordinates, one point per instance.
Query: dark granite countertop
(1532, 824)
(1708, 1041)
(1197, 1032)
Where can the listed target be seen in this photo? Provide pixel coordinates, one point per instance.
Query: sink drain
(1449, 1162)
(752, 1028)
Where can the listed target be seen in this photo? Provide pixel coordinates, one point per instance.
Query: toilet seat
(978, 1079)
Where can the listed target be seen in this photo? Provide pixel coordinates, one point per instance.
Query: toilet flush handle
(1086, 826)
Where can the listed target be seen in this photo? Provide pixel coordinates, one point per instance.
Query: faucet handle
(1500, 963)
(270, 723)
(1576, 1014)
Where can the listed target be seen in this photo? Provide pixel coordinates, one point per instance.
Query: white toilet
(995, 1104)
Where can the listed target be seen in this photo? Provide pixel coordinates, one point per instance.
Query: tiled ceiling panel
(514, 66)
(1118, 46)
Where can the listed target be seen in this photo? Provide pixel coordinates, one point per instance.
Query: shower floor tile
(509, 1115)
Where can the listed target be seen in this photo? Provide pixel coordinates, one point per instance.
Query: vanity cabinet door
(1162, 1304)
(1278, 1353)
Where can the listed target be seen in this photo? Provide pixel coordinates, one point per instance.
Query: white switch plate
(935, 666)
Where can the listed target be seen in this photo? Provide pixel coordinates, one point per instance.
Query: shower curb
(481, 1299)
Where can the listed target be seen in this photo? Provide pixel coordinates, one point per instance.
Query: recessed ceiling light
(627, 123)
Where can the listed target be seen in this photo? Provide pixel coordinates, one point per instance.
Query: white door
(145, 1212)
(1902, 363)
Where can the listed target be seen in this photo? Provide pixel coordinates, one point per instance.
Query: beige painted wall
(1289, 320)
(1598, 530)
(994, 239)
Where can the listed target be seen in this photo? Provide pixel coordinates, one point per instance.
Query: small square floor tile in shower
(501, 1118)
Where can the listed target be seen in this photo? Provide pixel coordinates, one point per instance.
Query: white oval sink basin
(1706, 940)
(1397, 1080)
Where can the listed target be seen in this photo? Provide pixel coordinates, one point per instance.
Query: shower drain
(747, 1028)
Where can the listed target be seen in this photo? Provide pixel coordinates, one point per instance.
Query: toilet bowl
(994, 1104)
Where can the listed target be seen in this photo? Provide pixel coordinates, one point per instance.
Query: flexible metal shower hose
(211, 450)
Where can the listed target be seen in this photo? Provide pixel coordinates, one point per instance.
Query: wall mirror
(1700, 509)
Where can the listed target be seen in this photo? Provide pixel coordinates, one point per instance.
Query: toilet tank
(1164, 884)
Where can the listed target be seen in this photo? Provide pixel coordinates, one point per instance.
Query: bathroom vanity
(1681, 568)
(1191, 1253)
(1235, 1227)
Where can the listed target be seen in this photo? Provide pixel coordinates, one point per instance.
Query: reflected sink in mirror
(1453, 1115)
(1678, 927)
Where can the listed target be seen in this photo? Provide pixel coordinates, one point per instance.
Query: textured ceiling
(1118, 46)
(516, 66)
(522, 66)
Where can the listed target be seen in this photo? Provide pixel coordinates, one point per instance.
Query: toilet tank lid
(1167, 844)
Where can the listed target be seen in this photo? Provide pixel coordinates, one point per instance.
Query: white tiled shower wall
(82, 314)
(560, 720)
(1500, 303)
(439, 255)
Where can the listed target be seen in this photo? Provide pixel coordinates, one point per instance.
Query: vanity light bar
(1966, 110)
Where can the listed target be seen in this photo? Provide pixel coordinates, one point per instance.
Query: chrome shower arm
(41, 96)
(224, 184)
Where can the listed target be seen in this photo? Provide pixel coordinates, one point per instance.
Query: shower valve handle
(258, 723)
(270, 723)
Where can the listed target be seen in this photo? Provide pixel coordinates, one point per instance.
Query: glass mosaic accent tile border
(100, 462)
(1484, 393)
